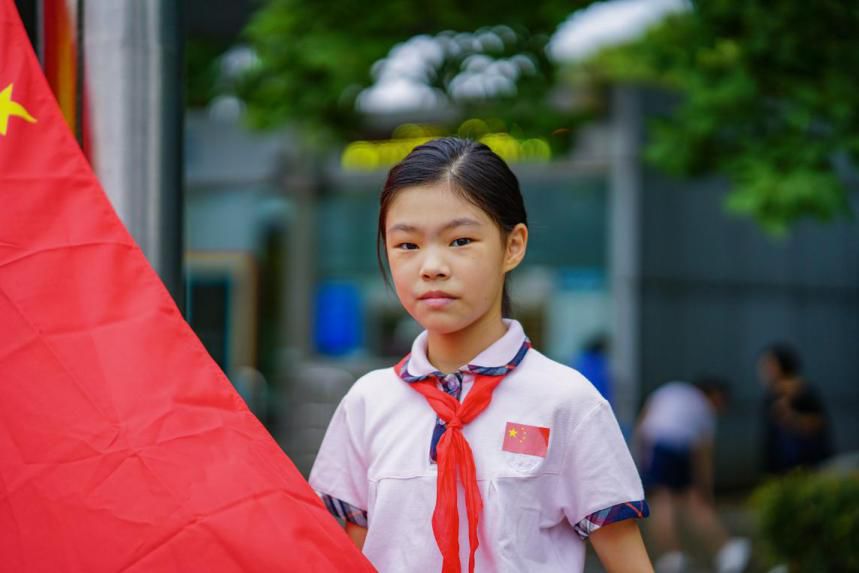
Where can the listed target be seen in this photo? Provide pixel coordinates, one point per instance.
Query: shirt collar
(497, 356)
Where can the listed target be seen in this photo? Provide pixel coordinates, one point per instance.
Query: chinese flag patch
(525, 439)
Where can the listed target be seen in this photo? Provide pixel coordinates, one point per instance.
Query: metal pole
(134, 61)
(40, 31)
(80, 74)
(298, 270)
(625, 241)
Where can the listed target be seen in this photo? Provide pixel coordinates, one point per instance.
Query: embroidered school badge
(525, 439)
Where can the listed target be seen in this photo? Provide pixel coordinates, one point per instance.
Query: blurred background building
(267, 237)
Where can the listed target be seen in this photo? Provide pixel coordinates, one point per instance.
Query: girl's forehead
(436, 201)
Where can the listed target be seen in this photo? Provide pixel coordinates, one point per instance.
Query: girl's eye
(407, 246)
(460, 242)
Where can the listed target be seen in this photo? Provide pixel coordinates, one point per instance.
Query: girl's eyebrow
(402, 227)
(461, 222)
(458, 222)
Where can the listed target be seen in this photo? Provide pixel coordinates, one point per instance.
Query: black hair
(597, 344)
(474, 170)
(713, 386)
(785, 356)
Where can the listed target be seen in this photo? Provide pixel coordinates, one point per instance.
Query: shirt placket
(450, 384)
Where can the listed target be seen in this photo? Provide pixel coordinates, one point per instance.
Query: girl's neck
(447, 352)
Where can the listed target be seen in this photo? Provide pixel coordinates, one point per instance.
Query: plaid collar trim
(416, 366)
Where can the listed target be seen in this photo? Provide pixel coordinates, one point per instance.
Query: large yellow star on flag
(10, 108)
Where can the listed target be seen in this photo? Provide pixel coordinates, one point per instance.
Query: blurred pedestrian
(797, 432)
(675, 438)
(474, 412)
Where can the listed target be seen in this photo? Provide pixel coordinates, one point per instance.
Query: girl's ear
(517, 244)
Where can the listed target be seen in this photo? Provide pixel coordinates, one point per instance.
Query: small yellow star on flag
(11, 108)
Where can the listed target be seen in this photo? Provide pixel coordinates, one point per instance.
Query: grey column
(624, 225)
(299, 266)
(133, 54)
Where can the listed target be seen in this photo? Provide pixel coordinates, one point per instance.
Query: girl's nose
(434, 266)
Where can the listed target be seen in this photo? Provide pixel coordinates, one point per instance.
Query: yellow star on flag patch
(525, 439)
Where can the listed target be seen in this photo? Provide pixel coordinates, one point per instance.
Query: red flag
(525, 439)
(122, 446)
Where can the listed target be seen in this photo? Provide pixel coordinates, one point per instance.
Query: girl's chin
(443, 325)
(446, 322)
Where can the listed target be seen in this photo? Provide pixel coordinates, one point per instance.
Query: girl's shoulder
(558, 379)
(373, 381)
(378, 385)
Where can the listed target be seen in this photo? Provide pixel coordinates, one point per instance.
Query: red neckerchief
(454, 456)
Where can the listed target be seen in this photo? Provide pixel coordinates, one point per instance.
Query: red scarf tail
(473, 502)
(445, 517)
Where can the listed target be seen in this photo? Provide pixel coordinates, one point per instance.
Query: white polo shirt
(678, 414)
(375, 456)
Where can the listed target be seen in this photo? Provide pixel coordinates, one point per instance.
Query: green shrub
(811, 521)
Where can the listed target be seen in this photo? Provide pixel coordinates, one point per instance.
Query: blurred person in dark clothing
(675, 437)
(797, 432)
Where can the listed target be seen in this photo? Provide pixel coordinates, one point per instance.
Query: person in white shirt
(475, 452)
(675, 435)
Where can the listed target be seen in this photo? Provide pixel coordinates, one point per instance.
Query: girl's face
(448, 258)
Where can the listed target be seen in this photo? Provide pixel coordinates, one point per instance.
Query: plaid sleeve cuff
(613, 514)
(342, 510)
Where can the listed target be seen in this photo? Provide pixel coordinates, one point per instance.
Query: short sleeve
(598, 471)
(345, 511)
(340, 468)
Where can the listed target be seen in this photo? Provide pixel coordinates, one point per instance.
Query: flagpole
(79, 74)
(40, 32)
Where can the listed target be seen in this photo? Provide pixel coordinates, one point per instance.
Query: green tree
(768, 99)
(767, 87)
(315, 57)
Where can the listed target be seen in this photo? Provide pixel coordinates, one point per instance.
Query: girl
(475, 450)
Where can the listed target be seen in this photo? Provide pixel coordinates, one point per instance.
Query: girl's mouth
(436, 299)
